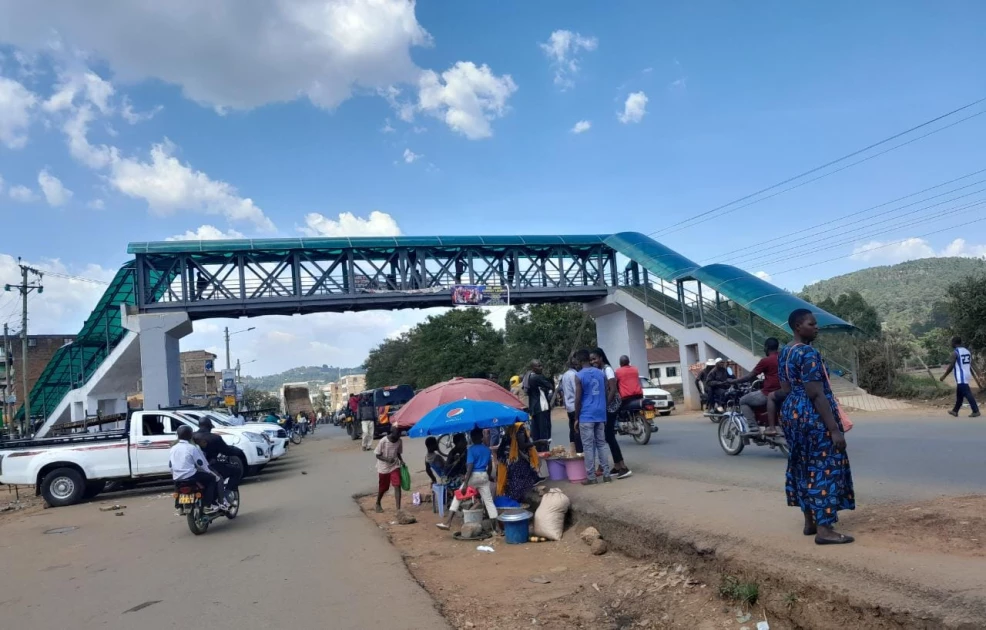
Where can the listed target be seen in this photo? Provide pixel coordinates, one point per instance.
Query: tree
(658, 338)
(967, 310)
(257, 399)
(548, 332)
(938, 317)
(857, 311)
(937, 346)
(387, 363)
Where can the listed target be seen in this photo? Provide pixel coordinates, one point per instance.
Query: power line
(831, 163)
(77, 278)
(753, 257)
(881, 246)
(801, 233)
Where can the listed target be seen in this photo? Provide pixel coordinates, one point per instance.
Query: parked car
(67, 469)
(662, 398)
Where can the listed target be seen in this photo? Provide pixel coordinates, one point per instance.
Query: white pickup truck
(67, 469)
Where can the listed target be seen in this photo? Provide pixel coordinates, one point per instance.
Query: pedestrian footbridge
(623, 279)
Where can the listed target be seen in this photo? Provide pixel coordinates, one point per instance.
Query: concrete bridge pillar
(620, 332)
(160, 364)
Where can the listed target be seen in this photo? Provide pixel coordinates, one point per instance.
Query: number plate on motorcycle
(649, 415)
(186, 499)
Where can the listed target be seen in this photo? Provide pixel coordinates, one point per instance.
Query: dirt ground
(552, 584)
(19, 503)
(950, 525)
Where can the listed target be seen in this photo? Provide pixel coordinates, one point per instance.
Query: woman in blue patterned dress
(819, 480)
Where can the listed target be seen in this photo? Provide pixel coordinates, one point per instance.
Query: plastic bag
(405, 478)
(549, 519)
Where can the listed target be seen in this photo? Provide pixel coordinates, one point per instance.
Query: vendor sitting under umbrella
(517, 470)
(479, 463)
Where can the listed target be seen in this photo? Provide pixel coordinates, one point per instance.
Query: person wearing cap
(700, 384)
(717, 382)
(213, 446)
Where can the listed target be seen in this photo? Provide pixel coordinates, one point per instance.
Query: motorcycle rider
(700, 384)
(188, 463)
(628, 381)
(771, 383)
(212, 446)
(716, 383)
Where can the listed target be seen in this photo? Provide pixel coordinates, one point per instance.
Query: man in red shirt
(771, 383)
(628, 380)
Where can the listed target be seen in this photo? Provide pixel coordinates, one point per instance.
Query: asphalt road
(300, 555)
(900, 456)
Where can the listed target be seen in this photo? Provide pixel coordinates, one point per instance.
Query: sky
(145, 121)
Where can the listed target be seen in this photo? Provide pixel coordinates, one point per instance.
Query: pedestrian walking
(962, 366)
(590, 417)
(818, 479)
(613, 404)
(389, 459)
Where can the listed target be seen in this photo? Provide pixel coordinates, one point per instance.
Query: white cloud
(911, 249)
(468, 98)
(582, 126)
(22, 194)
(678, 85)
(563, 48)
(228, 54)
(410, 156)
(387, 128)
(76, 129)
(65, 302)
(55, 193)
(763, 275)
(205, 233)
(16, 105)
(634, 108)
(132, 117)
(95, 89)
(348, 224)
(168, 186)
(96, 204)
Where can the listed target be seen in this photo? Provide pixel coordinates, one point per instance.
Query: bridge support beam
(160, 363)
(620, 332)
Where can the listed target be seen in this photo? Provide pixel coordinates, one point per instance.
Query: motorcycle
(188, 502)
(735, 432)
(636, 418)
(727, 405)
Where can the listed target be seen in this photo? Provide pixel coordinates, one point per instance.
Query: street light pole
(230, 334)
(227, 348)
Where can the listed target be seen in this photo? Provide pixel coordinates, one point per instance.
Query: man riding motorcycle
(212, 446)
(716, 384)
(771, 383)
(628, 381)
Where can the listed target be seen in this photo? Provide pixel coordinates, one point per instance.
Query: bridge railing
(694, 308)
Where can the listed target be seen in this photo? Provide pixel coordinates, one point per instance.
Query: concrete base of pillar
(619, 332)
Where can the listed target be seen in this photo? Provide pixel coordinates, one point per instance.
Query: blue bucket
(516, 527)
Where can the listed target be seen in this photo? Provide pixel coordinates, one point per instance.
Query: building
(664, 366)
(198, 374)
(40, 350)
(340, 391)
(330, 392)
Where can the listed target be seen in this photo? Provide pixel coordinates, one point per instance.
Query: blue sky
(150, 122)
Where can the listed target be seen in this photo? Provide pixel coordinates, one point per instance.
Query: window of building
(32, 343)
(671, 371)
(67, 340)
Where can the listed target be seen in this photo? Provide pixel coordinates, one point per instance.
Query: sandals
(843, 539)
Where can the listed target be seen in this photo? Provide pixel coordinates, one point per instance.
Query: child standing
(389, 459)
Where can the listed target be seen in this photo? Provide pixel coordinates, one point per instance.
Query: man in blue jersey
(962, 366)
(590, 418)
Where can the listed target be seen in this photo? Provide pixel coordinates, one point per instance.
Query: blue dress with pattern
(818, 477)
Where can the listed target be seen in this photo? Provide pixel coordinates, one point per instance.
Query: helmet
(514, 381)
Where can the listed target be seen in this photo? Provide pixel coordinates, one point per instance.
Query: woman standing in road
(819, 479)
(613, 402)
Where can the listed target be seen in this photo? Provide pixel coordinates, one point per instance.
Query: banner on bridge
(480, 295)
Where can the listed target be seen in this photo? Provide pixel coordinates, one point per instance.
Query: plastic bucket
(516, 527)
(473, 516)
(556, 470)
(575, 469)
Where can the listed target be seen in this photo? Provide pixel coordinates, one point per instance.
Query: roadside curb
(798, 590)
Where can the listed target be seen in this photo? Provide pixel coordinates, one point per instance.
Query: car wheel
(63, 486)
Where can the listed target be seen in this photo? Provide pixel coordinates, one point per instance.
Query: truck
(69, 468)
(295, 398)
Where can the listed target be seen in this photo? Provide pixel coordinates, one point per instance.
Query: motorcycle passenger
(628, 381)
(700, 384)
(212, 446)
(188, 463)
(771, 383)
(716, 384)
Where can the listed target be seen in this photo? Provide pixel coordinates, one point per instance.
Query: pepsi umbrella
(462, 416)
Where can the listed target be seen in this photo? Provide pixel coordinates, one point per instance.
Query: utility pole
(25, 289)
(6, 381)
(237, 370)
(227, 348)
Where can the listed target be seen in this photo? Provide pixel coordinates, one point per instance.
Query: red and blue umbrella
(462, 416)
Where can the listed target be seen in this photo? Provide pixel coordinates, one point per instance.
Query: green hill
(311, 374)
(902, 294)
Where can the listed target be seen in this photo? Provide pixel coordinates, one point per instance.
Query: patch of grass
(744, 592)
(790, 600)
(919, 386)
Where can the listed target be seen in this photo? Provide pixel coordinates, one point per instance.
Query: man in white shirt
(188, 463)
(566, 391)
(962, 366)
